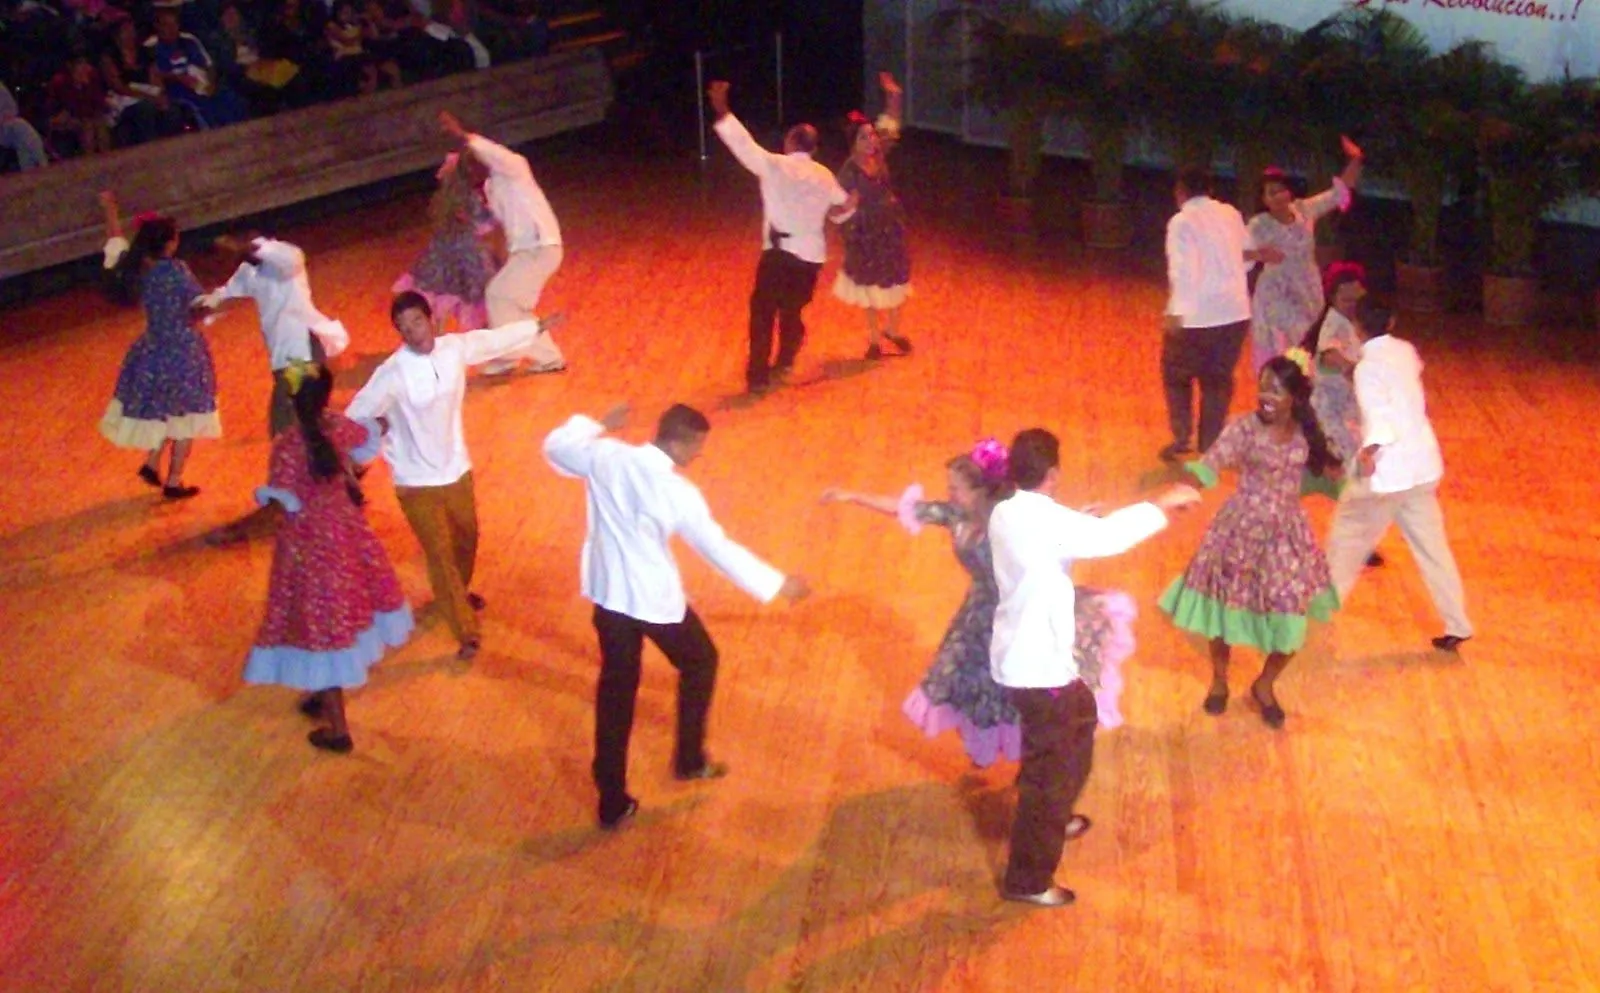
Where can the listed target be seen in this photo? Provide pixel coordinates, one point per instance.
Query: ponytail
(310, 402)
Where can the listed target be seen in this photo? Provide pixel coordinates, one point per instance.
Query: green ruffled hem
(1210, 618)
(1202, 472)
(1314, 485)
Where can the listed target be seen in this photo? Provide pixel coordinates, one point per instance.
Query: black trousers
(1206, 355)
(784, 285)
(688, 647)
(1057, 754)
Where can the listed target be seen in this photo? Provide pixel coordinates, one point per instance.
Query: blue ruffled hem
(370, 448)
(344, 668)
(267, 494)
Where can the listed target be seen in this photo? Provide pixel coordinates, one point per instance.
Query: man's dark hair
(409, 300)
(1034, 453)
(1373, 317)
(804, 137)
(1195, 180)
(681, 423)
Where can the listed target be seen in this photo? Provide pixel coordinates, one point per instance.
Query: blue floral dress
(877, 262)
(167, 388)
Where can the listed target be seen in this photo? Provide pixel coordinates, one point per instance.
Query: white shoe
(499, 367)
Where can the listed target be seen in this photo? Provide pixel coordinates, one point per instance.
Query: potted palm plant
(1254, 122)
(1183, 56)
(1533, 145)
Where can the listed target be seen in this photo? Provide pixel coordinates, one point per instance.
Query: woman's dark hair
(151, 238)
(993, 490)
(1271, 175)
(310, 401)
(1034, 453)
(1343, 276)
(1321, 459)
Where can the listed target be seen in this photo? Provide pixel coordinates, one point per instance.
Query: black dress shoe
(874, 352)
(1374, 561)
(329, 742)
(149, 475)
(610, 822)
(469, 650)
(1055, 896)
(1449, 642)
(311, 705)
(711, 770)
(900, 342)
(1271, 714)
(1216, 703)
(180, 492)
(476, 602)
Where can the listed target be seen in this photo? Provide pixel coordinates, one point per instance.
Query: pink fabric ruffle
(906, 511)
(985, 746)
(1121, 611)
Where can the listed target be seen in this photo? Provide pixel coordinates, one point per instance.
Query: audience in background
(79, 77)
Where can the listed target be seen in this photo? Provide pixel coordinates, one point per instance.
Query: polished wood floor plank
(1423, 823)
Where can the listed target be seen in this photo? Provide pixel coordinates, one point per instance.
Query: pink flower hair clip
(992, 460)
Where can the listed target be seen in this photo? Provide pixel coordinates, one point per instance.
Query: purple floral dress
(454, 270)
(1259, 572)
(1288, 295)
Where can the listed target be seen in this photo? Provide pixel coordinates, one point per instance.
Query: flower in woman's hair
(297, 372)
(992, 459)
(1301, 358)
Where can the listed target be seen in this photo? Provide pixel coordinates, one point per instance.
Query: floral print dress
(1259, 572)
(334, 603)
(1288, 296)
(167, 388)
(876, 273)
(959, 692)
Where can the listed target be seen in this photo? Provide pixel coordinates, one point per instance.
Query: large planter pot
(1510, 301)
(1107, 225)
(1421, 287)
(1016, 213)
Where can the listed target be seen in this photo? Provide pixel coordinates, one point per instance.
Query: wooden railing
(50, 215)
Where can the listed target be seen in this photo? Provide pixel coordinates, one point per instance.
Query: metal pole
(778, 45)
(911, 68)
(700, 99)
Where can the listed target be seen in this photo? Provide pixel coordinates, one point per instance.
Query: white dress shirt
(420, 396)
(796, 192)
(1394, 416)
(637, 502)
(282, 291)
(1035, 541)
(514, 198)
(1206, 242)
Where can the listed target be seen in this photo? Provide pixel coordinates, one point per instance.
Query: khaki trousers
(513, 295)
(445, 520)
(1360, 521)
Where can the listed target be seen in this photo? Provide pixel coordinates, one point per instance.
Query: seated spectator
(427, 49)
(269, 84)
(513, 29)
(293, 33)
(76, 103)
(137, 110)
(183, 67)
(354, 69)
(18, 135)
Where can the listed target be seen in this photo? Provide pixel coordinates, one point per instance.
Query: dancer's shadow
(71, 546)
(831, 371)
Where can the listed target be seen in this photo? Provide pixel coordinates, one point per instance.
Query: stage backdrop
(1545, 38)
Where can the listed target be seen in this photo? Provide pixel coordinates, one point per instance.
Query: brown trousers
(445, 520)
(1057, 753)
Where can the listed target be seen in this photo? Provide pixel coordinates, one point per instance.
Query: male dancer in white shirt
(533, 241)
(798, 197)
(1397, 474)
(637, 502)
(1209, 252)
(416, 395)
(273, 274)
(1035, 541)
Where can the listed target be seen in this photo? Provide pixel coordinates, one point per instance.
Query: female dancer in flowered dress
(334, 604)
(166, 393)
(876, 274)
(1288, 295)
(1259, 572)
(453, 271)
(958, 691)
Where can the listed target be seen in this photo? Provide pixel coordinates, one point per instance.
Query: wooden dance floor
(1424, 822)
